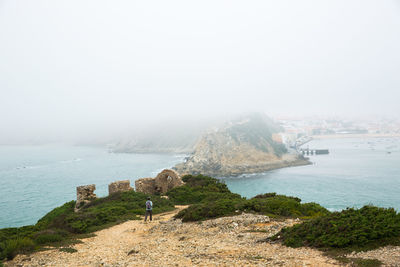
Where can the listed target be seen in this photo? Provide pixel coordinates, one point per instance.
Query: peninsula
(245, 145)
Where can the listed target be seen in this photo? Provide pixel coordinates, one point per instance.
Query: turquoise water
(36, 179)
(357, 172)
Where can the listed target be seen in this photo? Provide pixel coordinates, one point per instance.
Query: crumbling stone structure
(84, 194)
(164, 181)
(146, 185)
(119, 186)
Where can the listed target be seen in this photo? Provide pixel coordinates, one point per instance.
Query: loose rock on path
(228, 241)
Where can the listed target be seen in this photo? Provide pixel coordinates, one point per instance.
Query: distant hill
(244, 145)
(165, 137)
(217, 147)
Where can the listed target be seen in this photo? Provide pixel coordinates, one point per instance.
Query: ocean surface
(357, 172)
(36, 179)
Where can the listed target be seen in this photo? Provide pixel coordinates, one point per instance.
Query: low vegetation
(358, 229)
(62, 225)
(210, 199)
(336, 233)
(199, 189)
(339, 233)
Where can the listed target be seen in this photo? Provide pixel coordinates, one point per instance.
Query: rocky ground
(228, 241)
(389, 255)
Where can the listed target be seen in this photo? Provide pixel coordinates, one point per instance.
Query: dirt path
(229, 241)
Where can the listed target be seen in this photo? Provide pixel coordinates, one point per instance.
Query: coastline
(339, 136)
(237, 170)
(269, 167)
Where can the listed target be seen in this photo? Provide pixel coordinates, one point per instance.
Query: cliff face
(242, 146)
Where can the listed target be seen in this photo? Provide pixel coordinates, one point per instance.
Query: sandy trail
(228, 241)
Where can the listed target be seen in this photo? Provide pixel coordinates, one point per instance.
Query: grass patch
(256, 231)
(360, 262)
(68, 250)
(254, 258)
(62, 226)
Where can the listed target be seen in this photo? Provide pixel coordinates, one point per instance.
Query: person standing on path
(149, 209)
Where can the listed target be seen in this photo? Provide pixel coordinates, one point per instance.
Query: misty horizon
(96, 70)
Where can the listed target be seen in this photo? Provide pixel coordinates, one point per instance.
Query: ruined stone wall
(146, 185)
(84, 194)
(161, 184)
(164, 181)
(119, 186)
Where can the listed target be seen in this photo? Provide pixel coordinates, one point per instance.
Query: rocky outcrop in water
(242, 146)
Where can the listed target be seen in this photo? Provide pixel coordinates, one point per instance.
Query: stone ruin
(145, 185)
(119, 186)
(164, 181)
(84, 194)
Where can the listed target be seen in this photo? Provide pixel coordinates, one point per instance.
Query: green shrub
(56, 217)
(204, 211)
(211, 199)
(200, 188)
(13, 247)
(49, 236)
(359, 228)
(16, 232)
(68, 250)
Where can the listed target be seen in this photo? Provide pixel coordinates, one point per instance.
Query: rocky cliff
(241, 146)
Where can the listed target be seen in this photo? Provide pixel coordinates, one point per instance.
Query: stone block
(119, 186)
(84, 194)
(145, 185)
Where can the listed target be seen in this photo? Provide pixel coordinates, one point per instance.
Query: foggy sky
(70, 68)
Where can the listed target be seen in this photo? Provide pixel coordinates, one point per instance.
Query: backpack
(148, 205)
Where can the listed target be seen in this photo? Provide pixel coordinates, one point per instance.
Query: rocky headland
(242, 146)
(218, 147)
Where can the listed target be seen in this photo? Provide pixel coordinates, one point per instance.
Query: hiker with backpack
(149, 209)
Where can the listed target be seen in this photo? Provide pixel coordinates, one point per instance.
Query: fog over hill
(96, 71)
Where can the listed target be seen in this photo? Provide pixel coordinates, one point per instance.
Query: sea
(356, 172)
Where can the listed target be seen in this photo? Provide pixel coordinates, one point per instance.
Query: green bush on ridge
(363, 228)
(211, 199)
(14, 246)
(198, 189)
